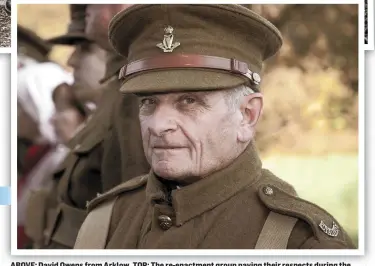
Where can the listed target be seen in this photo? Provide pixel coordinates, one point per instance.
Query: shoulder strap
(97, 221)
(276, 231)
(324, 226)
(94, 230)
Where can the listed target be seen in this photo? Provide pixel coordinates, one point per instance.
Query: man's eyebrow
(193, 92)
(149, 94)
(199, 94)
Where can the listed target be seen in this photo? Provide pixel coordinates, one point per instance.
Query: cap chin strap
(178, 61)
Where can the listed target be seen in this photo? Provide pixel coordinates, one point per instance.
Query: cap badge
(333, 231)
(167, 45)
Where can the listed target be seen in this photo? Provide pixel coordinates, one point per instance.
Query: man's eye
(188, 100)
(147, 101)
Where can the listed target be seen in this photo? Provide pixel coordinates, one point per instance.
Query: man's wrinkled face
(88, 63)
(188, 135)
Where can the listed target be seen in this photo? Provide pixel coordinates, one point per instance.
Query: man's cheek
(144, 130)
(146, 142)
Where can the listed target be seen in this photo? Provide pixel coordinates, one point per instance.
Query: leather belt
(190, 61)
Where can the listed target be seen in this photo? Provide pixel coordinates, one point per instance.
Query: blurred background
(308, 134)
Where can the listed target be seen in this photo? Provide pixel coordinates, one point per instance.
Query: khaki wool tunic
(106, 152)
(226, 210)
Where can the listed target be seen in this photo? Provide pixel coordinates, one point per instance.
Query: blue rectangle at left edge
(4, 195)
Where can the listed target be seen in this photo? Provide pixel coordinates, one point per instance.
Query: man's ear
(251, 108)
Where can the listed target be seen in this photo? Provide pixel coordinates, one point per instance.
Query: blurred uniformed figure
(124, 144)
(88, 63)
(196, 70)
(95, 163)
(30, 49)
(87, 60)
(35, 86)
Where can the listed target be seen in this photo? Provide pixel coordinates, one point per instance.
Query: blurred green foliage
(329, 181)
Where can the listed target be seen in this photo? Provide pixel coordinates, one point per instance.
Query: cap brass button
(268, 191)
(165, 222)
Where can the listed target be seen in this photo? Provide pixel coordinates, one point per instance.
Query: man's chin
(165, 174)
(167, 170)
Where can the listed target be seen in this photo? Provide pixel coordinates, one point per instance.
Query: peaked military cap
(76, 28)
(30, 44)
(191, 47)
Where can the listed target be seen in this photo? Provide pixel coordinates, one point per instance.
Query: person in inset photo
(5, 21)
(8, 7)
(366, 22)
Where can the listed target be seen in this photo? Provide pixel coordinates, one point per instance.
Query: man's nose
(163, 122)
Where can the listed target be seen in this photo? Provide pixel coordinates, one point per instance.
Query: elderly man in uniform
(95, 163)
(196, 72)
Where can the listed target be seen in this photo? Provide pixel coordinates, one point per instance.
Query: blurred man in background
(123, 145)
(36, 83)
(97, 159)
(88, 63)
(30, 49)
(87, 59)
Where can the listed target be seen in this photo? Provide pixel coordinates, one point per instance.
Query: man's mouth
(164, 147)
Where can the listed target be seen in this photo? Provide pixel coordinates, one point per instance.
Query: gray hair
(233, 96)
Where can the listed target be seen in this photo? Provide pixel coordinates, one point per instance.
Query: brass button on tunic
(165, 222)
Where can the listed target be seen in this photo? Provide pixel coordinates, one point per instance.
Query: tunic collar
(194, 199)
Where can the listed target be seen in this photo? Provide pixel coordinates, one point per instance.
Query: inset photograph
(366, 22)
(5, 25)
